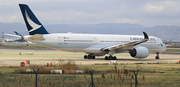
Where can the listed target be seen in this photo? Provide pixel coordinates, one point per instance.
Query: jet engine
(139, 52)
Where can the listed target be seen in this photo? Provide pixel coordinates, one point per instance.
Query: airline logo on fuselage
(31, 23)
(136, 38)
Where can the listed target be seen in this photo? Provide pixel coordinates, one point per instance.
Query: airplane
(138, 46)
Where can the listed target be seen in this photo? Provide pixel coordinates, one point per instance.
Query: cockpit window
(161, 44)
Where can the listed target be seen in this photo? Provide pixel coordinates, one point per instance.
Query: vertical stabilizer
(32, 23)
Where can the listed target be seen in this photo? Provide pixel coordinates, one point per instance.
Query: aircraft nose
(164, 47)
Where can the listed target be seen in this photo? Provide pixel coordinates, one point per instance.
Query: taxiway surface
(13, 58)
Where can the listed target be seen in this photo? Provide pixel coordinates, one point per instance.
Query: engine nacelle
(139, 52)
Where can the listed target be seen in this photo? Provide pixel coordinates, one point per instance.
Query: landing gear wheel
(89, 56)
(114, 58)
(93, 57)
(106, 58)
(110, 58)
(157, 57)
(85, 56)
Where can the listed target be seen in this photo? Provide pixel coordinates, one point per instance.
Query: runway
(12, 57)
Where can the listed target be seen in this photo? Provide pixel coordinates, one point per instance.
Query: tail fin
(32, 23)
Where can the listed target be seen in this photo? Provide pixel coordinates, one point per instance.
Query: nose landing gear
(157, 57)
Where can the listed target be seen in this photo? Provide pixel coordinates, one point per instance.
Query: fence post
(36, 75)
(135, 77)
(92, 84)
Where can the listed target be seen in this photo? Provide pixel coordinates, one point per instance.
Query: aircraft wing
(127, 45)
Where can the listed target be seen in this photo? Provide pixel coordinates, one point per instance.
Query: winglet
(145, 36)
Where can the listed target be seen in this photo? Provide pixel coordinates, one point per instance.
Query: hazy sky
(145, 12)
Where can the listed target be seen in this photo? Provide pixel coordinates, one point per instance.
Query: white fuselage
(93, 43)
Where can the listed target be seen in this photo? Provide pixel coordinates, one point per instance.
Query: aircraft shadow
(121, 59)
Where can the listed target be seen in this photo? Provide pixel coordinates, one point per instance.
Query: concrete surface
(12, 57)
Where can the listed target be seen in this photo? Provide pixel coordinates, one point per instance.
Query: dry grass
(61, 65)
(66, 65)
(104, 76)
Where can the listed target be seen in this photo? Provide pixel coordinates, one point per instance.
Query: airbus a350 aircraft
(91, 44)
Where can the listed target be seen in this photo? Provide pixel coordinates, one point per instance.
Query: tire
(93, 57)
(114, 58)
(111, 58)
(157, 57)
(85, 56)
(106, 58)
(89, 56)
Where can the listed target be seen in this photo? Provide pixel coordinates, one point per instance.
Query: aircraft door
(95, 41)
(60, 40)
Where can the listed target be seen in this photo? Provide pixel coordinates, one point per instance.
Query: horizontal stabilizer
(12, 35)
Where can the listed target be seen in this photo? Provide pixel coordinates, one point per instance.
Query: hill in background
(163, 32)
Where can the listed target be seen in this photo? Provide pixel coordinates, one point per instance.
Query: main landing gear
(90, 56)
(157, 57)
(110, 57)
